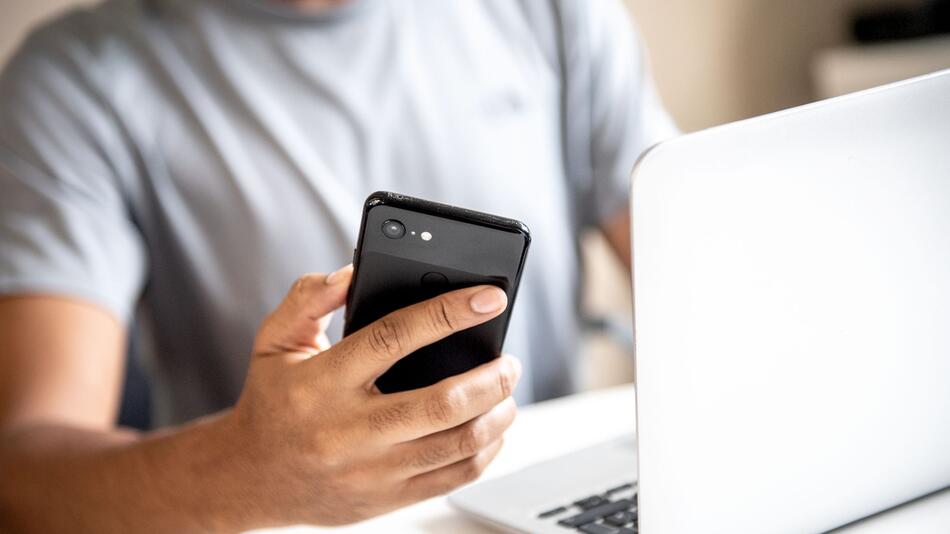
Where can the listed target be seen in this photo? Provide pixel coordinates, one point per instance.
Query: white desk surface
(549, 429)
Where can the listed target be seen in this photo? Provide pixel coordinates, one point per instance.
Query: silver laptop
(792, 297)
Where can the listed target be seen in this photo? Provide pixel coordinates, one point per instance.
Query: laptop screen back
(792, 300)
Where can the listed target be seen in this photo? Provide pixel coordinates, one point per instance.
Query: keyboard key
(620, 488)
(591, 502)
(620, 518)
(627, 531)
(553, 512)
(594, 514)
(595, 528)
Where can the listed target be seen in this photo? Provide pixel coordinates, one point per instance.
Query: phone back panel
(465, 249)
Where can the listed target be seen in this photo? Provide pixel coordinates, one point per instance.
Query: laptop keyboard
(611, 512)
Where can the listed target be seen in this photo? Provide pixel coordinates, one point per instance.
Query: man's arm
(309, 441)
(61, 361)
(65, 467)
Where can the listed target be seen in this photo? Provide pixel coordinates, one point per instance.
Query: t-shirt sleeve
(65, 227)
(626, 114)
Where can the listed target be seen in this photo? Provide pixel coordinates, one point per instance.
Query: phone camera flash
(426, 236)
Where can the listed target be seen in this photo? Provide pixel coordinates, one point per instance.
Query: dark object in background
(897, 23)
(135, 407)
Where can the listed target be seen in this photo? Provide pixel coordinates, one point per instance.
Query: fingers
(298, 323)
(446, 479)
(369, 352)
(407, 416)
(456, 444)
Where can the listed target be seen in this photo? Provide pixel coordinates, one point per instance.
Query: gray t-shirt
(181, 162)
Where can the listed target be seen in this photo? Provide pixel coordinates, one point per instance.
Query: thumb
(300, 321)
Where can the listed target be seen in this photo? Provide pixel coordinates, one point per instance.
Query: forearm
(61, 479)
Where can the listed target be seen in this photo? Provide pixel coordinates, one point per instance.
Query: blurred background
(715, 61)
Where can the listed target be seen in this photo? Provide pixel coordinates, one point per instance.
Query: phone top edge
(387, 198)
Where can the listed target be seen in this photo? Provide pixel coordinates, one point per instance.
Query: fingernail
(338, 275)
(488, 300)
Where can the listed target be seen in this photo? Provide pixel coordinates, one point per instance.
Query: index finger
(369, 352)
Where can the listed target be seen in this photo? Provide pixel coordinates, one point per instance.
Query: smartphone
(410, 250)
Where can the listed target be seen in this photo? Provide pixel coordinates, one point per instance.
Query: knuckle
(386, 337)
(442, 407)
(301, 285)
(471, 439)
(439, 317)
(470, 470)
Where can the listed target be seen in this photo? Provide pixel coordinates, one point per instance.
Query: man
(180, 163)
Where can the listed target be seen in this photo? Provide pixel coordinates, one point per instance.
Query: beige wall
(718, 61)
(17, 16)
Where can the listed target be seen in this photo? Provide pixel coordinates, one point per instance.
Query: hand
(323, 446)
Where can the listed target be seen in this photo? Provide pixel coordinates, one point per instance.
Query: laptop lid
(792, 302)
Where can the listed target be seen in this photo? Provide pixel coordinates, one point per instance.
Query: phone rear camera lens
(393, 229)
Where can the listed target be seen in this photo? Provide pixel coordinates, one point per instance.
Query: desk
(549, 429)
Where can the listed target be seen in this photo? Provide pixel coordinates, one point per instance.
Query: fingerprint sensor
(434, 280)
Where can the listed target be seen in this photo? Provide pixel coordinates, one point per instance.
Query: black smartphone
(410, 250)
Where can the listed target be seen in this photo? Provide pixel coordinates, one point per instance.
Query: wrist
(218, 483)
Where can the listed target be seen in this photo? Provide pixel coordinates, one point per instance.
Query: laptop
(792, 320)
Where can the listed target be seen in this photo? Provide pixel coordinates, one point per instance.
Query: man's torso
(257, 134)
